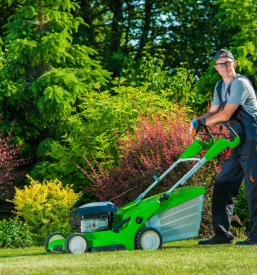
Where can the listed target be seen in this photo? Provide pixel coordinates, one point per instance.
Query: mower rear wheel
(76, 244)
(52, 237)
(149, 239)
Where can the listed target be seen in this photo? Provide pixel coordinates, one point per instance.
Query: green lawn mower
(144, 223)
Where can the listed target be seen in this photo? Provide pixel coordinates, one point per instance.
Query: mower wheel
(76, 244)
(53, 237)
(149, 239)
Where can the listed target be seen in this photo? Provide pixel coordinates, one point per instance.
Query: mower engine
(93, 225)
(92, 217)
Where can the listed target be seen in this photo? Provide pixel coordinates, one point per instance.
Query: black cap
(228, 54)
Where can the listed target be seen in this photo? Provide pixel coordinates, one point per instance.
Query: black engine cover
(94, 208)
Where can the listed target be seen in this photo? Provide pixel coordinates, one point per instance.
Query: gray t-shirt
(241, 93)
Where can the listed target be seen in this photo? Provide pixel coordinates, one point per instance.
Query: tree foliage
(150, 72)
(119, 30)
(44, 76)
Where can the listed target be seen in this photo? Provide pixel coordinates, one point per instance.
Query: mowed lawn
(182, 257)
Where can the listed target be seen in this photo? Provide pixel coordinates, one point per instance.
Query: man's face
(225, 66)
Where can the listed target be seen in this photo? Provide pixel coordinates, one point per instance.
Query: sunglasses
(225, 64)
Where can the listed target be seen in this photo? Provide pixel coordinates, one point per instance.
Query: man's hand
(193, 126)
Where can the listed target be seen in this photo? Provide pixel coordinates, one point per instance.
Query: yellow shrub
(44, 204)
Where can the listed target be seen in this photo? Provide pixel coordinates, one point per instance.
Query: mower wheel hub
(150, 240)
(76, 244)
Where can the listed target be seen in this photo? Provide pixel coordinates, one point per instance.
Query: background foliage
(74, 74)
(92, 132)
(151, 148)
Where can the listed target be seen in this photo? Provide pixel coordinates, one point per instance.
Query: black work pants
(226, 188)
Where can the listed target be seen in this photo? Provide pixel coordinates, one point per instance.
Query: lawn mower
(144, 223)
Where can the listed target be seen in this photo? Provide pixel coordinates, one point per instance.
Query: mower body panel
(179, 196)
(57, 243)
(179, 222)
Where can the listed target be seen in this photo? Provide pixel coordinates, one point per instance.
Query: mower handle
(214, 148)
(208, 134)
(232, 132)
(224, 123)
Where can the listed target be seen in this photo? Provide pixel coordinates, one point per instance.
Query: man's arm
(239, 94)
(224, 115)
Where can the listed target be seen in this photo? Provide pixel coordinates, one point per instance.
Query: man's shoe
(214, 241)
(248, 241)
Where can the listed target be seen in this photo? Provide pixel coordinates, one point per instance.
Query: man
(236, 98)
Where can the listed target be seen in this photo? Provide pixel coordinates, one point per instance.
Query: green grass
(182, 257)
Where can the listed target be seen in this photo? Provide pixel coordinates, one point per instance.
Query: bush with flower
(45, 206)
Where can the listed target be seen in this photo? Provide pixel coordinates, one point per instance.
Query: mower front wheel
(149, 239)
(52, 237)
(76, 244)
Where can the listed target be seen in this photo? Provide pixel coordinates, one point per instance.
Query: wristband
(202, 122)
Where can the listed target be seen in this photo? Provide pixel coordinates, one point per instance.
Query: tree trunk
(147, 26)
(117, 30)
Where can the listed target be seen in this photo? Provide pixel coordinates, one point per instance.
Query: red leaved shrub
(157, 142)
(9, 163)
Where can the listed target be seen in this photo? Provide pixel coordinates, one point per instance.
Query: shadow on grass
(27, 255)
(194, 246)
(180, 247)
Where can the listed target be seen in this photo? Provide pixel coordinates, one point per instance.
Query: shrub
(15, 234)
(158, 141)
(8, 164)
(44, 206)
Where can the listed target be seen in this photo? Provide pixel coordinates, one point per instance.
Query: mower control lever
(119, 225)
(163, 197)
(232, 132)
(156, 178)
(224, 123)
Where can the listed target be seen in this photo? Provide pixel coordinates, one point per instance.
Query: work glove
(193, 126)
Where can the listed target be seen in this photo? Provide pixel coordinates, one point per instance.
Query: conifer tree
(44, 76)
